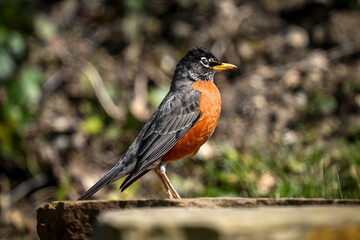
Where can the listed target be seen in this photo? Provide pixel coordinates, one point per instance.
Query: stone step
(75, 220)
(262, 223)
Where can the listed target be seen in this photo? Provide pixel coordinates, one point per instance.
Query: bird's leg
(173, 190)
(161, 171)
(168, 192)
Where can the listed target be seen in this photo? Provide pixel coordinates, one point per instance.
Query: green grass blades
(312, 171)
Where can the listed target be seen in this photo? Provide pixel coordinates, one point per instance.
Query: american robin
(184, 121)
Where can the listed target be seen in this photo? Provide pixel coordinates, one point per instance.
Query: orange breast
(209, 108)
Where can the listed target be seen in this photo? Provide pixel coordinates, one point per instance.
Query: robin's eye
(205, 61)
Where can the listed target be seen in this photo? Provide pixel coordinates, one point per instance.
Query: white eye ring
(204, 61)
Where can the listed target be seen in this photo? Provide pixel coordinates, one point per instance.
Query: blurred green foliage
(156, 95)
(321, 104)
(91, 125)
(21, 81)
(296, 171)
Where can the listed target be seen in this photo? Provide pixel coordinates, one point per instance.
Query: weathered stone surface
(74, 220)
(263, 223)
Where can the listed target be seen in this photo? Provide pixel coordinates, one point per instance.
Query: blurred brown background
(78, 79)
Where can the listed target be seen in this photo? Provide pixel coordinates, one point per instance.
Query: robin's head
(198, 64)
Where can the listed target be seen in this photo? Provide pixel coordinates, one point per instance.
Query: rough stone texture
(276, 223)
(75, 220)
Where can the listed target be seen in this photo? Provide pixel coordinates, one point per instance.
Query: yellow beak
(223, 66)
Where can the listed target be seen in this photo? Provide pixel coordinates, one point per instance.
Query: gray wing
(173, 119)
